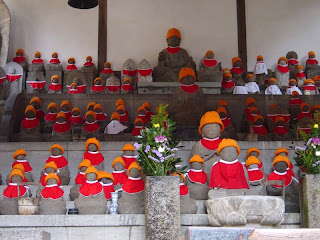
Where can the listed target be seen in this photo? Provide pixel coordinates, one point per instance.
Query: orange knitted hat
(127, 79)
(37, 53)
(249, 75)
(173, 32)
(273, 80)
(278, 119)
(221, 109)
(186, 72)
(253, 109)
(308, 81)
(20, 51)
(295, 93)
(179, 174)
(302, 105)
(116, 160)
(146, 105)
(55, 77)
(300, 67)
(128, 147)
(75, 109)
(35, 99)
(281, 159)
(92, 141)
(141, 109)
(115, 116)
(222, 103)
(250, 150)
(16, 172)
(235, 59)
(57, 146)
(258, 117)
(227, 75)
(138, 120)
(315, 107)
(54, 53)
(120, 102)
(52, 175)
(252, 160)
(196, 158)
(74, 84)
(52, 105)
(97, 79)
(281, 150)
(90, 113)
(90, 104)
(210, 51)
(20, 167)
(107, 63)
(89, 58)
(71, 59)
(259, 57)
(228, 142)
(19, 152)
(91, 169)
(51, 164)
(283, 58)
(311, 53)
(85, 163)
(103, 174)
(250, 100)
(97, 106)
(121, 107)
(61, 114)
(30, 108)
(210, 117)
(134, 165)
(65, 102)
(293, 80)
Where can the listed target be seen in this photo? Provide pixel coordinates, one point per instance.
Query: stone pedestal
(53, 69)
(309, 201)
(26, 235)
(162, 208)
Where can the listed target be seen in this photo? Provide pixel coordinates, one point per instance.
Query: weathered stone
(91, 205)
(129, 69)
(209, 74)
(26, 235)
(162, 208)
(74, 76)
(9, 206)
(282, 78)
(144, 71)
(5, 20)
(90, 73)
(13, 69)
(131, 203)
(35, 76)
(52, 207)
(243, 210)
(112, 82)
(53, 69)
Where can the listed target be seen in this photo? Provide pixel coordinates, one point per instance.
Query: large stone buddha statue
(172, 59)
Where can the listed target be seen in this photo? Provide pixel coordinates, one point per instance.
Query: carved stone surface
(207, 74)
(112, 80)
(32, 76)
(130, 66)
(144, 71)
(282, 78)
(91, 205)
(16, 86)
(74, 76)
(53, 69)
(90, 73)
(131, 203)
(243, 210)
(52, 207)
(162, 208)
(5, 20)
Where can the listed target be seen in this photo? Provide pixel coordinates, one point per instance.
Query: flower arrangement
(308, 157)
(157, 147)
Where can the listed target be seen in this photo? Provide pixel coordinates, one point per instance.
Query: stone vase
(162, 207)
(309, 200)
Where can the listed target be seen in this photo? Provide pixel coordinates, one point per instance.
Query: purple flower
(316, 140)
(300, 148)
(153, 158)
(160, 139)
(156, 152)
(147, 149)
(137, 146)
(169, 156)
(314, 165)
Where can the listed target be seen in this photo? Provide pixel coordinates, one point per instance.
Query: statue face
(16, 179)
(36, 105)
(196, 165)
(98, 110)
(237, 64)
(120, 111)
(282, 62)
(209, 55)
(254, 112)
(211, 130)
(128, 153)
(260, 60)
(292, 84)
(54, 56)
(187, 80)
(71, 61)
(280, 123)
(253, 153)
(90, 119)
(139, 124)
(37, 56)
(312, 56)
(229, 154)
(19, 54)
(134, 173)
(56, 151)
(228, 78)
(258, 122)
(173, 41)
(30, 114)
(271, 83)
(52, 110)
(83, 169)
(253, 166)
(105, 180)
(50, 170)
(21, 157)
(88, 59)
(141, 112)
(92, 147)
(98, 82)
(108, 65)
(251, 79)
(118, 167)
(55, 80)
(51, 181)
(127, 82)
(60, 120)
(222, 115)
(73, 87)
(147, 109)
(91, 176)
(65, 108)
(305, 109)
(76, 113)
(281, 167)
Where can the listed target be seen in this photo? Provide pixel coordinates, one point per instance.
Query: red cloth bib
(90, 188)
(88, 64)
(189, 88)
(107, 189)
(76, 120)
(91, 127)
(100, 117)
(228, 175)
(136, 131)
(128, 160)
(71, 67)
(55, 87)
(226, 122)
(13, 77)
(281, 130)
(312, 61)
(61, 127)
(19, 59)
(283, 69)
(279, 176)
(255, 175)
(308, 87)
(30, 123)
(95, 158)
(37, 84)
(149, 115)
(55, 61)
(304, 114)
(144, 118)
(184, 190)
(60, 161)
(124, 117)
(210, 144)
(127, 87)
(52, 192)
(37, 61)
(97, 88)
(25, 163)
(43, 178)
(306, 130)
(260, 130)
(12, 191)
(80, 178)
(295, 101)
(145, 72)
(196, 176)
(39, 114)
(293, 61)
(133, 185)
(68, 115)
(130, 73)
(51, 117)
(209, 62)
(120, 177)
(82, 88)
(107, 70)
(113, 88)
(300, 75)
(73, 91)
(227, 84)
(173, 50)
(236, 70)
(274, 116)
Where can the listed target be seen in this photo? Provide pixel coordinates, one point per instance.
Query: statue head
(76, 112)
(187, 76)
(105, 177)
(272, 81)
(89, 59)
(250, 78)
(258, 120)
(83, 166)
(54, 55)
(61, 117)
(91, 173)
(259, 58)
(118, 164)
(98, 82)
(209, 54)
(173, 37)
(283, 61)
(36, 103)
(252, 162)
(253, 152)
(107, 65)
(228, 150)
(55, 79)
(138, 122)
(196, 162)
(311, 54)
(292, 82)
(98, 108)
(236, 62)
(65, 106)
(211, 125)
(90, 117)
(280, 121)
(37, 55)
(134, 170)
(92, 145)
(304, 107)
(30, 111)
(56, 150)
(281, 163)
(71, 61)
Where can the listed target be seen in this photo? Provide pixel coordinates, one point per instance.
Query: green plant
(157, 146)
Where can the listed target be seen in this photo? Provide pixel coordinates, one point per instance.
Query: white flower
(317, 153)
(161, 149)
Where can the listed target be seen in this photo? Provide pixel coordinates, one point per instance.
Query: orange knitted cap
(138, 120)
(91, 169)
(196, 158)
(52, 105)
(120, 102)
(72, 59)
(186, 72)
(300, 67)
(179, 174)
(281, 150)
(250, 150)
(30, 108)
(278, 119)
(35, 99)
(65, 102)
(74, 84)
(283, 58)
(61, 114)
(222, 103)
(249, 75)
(52, 175)
(37, 53)
(57, 146)
(97, 106)
(115, 116)
(295, 93)
(127, 79)
(293, 80)
(210, 117)
(20, 167)
(308, 81)
(89, 57)
(16, 172)
(221, 110)
(75, 109)
(134, 165)
(141, 109)
(273, 80)
(315, 107)
(235, 59)
(316, 78)
(146, 105)
(117, 160)
(257, 117)
(259, 57)
(228, 142)
(92, 141)
(128, 147)
(252, 160)
(55, 77)
(20, 51)
(51, 164)
(90, 104)
(85, 163)
(302, 105)
(107, 63)
(311, 53)
(90, 113)
(281, 159)
(227, 75)
(250, 100)
(173, 32)
(253, 109)
(121, 107)
(19, 152)
(54, 53)
(97, 79)
(225, 70)
(103, 174)
(210, 51)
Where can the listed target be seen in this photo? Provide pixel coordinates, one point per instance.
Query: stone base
(25, 235)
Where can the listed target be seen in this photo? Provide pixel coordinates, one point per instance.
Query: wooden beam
(242, 32)
(102, 33)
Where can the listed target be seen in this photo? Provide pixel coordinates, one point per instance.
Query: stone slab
(25, 235)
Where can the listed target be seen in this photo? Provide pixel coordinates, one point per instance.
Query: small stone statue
(55, 86)
(119, 175)
(280, 131)
(61, 128)
(127, 86)
(90, 106)
(240, 88)
(129, 155)
(305, 111)
(282, 72)
(91, 199)
(300, 76)
(15, 76)
(76, 119)
(315, 109)
(20, 157)
(129, 70)
(295, 98)
(209, 69)
(51, 116)
(106, 72)
(113, 85)
(293, 87)
(37, 58)
(100, 115)
(251, 85)
(260, 71)
(272, 88)
(93, 153)
(80, 179)
(20, 59)
(312, 62)
(197, 179)
(132, 197)
(88, 62)
(123, 114)
(292, 63)
(172, 59)
(51, 202)
(280, 165)
(303, 125)
(30, 125)
(36, 103)
(115, 126)
(258, 127)
(91, 127)
(142, 114)
(255, 174)
(65, 107)
(98, 86)
(187, 204)
(57, 157)
(90, 71)
(54, 68)
(147, 107)
(237, 71)
(309, 87)
(106, 180)
(250, 103)
(210, 129)
(138, 126)
(71, 65)
(227, 84)
(73, 89)
(284, 152)
(229, 129)
(77, 77)
(50, 167)
(55, 58)
(144, 71)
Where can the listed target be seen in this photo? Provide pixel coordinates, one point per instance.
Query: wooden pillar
(102, 33)
(242, 32)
